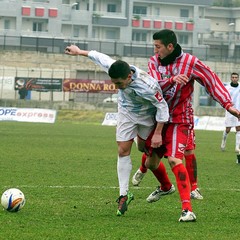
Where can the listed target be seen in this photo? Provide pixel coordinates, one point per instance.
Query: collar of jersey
(234, 84)
(177, 52)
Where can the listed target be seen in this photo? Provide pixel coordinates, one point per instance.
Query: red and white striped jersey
(179, 96)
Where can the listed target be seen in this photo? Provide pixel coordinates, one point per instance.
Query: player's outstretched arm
(234, 112)
(101, 59)
(75, 50)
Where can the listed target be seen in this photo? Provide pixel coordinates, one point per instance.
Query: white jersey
(230, 120)
(142, 97)
(140, 105)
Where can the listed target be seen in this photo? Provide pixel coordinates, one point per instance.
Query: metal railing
(115, 48)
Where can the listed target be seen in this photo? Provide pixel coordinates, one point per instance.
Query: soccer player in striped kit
(230, 121)
(168, 62)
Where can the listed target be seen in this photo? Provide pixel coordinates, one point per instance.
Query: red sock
(142, 167)
(191, 166)
(183, 185)
(162, 176)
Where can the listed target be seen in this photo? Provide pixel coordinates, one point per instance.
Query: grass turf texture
(67, 172)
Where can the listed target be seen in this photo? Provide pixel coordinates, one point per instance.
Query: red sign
(87, 85)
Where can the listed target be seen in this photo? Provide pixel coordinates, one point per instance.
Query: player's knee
(123, 152)
(152, 162)
(188, 152)
(141, 148)
(174, 161)
(151, 165)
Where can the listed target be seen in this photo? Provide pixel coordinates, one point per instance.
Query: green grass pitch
(67, 172)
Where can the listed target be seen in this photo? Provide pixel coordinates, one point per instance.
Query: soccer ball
(13, 200)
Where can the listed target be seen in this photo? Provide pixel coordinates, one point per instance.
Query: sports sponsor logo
(158, 96)
(181, 147)
(28, 115)
(110, 119)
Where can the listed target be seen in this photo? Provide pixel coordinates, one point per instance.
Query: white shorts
(231, 121)
(130, 126)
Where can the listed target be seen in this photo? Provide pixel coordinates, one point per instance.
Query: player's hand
(234, 112)
(181, 79)
(72, 50)
(156, 141)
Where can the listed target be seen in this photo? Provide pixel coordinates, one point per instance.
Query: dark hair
(234, 73)
(166, 36)
(119, 69)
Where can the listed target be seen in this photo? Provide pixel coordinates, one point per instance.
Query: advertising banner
(27, 115)
(91, 86)
(7, 83)
(38, 84)
(110, 119)
(200, 123)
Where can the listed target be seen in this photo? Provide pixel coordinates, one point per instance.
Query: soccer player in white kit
(141, 110)
(231, 121)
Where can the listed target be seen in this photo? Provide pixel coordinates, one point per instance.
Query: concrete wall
(34, 64)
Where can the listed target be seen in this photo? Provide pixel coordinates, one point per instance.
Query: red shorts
(191, 140)
(175, 139)
(160, 151)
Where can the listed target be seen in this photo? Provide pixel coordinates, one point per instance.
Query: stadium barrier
(200, 122)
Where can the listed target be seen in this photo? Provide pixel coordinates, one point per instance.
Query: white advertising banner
(7, 83)
(110, 119)
(209, 123)
(200, 123)
(27, 115)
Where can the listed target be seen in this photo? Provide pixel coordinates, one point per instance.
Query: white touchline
(104, 187)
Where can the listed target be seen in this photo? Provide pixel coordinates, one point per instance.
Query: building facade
(224, 36)
(118, 27)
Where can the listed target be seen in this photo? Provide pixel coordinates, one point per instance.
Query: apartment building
(224, 36)
(123, 27)
(116, 27)
(120, 27)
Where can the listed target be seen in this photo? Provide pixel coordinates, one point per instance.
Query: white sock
(124, 168)
(224, 136)
(237, 139)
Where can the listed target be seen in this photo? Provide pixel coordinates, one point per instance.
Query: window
(140, 10)
(111, 8)
(37, 27)
(95, 33)
(6, 24)
(157, 11)
(111, 34)
(139, 36)
(40, 1)
(76, 31)
(184, 13)
(77, 6)
(183, 38)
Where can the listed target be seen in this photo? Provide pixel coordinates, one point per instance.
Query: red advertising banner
(88, 85)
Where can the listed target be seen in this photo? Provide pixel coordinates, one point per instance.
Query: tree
(226, 3)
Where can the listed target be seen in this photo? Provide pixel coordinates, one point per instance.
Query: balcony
(109, 20)
(221, 38)
(160, 24)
